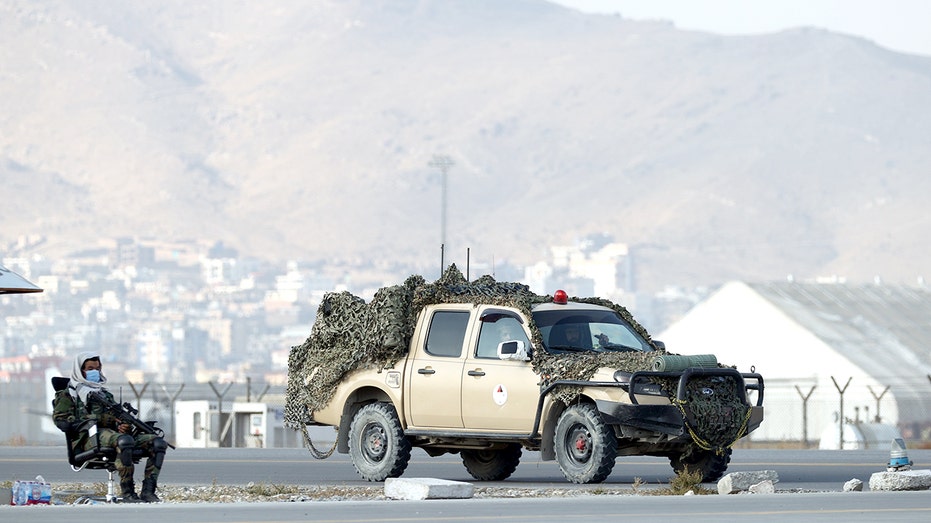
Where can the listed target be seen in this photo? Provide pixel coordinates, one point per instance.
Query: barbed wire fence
(799, 413)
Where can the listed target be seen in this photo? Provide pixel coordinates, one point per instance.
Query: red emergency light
(560, 297)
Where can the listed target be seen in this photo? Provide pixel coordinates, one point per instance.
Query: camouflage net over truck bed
(349, 335)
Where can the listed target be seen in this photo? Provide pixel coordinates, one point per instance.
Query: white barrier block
(427, 488)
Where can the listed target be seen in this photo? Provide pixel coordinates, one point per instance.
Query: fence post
(220, 395)
(172, 398)
(805, 413)
(138, 394)
(841, 392)
(878, 418)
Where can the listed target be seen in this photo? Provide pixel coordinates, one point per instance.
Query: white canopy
(12, 283)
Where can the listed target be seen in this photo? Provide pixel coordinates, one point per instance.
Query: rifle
(126, 413)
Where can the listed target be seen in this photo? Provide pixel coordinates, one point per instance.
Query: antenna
(468, 259)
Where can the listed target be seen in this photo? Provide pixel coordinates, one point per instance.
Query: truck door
(498, 394)
(436, 370)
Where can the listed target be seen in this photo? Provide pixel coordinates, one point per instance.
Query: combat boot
(129, 492)
(148, 491)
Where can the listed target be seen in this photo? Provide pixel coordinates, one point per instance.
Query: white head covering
(79, 387)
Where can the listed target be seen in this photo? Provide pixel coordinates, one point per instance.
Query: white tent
(12, 283)
(814, 341)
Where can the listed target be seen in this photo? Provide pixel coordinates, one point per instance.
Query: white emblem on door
(500, 394)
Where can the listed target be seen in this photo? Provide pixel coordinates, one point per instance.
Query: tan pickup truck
(485, 369)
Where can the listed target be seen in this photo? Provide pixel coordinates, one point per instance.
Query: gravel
(255, 492)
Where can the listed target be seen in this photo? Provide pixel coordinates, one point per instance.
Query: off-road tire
(377, 445)
(585, 446)
(710, 464)
(492, 464)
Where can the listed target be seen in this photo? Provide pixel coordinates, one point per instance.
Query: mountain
(305, 130)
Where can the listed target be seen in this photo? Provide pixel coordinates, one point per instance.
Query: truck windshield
(588, 330)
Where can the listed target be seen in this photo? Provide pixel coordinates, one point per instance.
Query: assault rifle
(126, 413)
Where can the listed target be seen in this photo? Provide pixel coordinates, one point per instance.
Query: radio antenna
(468, 259)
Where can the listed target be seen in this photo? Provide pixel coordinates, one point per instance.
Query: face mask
(92, 376)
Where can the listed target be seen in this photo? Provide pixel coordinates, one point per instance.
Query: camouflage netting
(714, 422)
(349, 335)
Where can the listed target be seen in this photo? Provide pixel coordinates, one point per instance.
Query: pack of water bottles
(38, 492)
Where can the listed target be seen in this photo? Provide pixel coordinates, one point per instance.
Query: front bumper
(661, 419)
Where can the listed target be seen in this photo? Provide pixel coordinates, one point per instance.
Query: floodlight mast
(443, 163)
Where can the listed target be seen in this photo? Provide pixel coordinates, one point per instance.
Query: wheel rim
(484, 456)
(579, 444)
(374, 442)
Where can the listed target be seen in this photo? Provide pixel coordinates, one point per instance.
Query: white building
(873, 342)
(581, 262)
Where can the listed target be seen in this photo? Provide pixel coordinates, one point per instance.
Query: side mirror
(659, 345)
(513, 350)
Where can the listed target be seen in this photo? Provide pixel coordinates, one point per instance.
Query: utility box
(201, 424)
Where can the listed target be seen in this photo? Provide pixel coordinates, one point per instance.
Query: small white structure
(201, 424)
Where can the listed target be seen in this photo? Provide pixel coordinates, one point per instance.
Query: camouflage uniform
(76, 405)
(71, 412)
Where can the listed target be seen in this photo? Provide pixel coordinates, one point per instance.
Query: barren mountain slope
(301, 130)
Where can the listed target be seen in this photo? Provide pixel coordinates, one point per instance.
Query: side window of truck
(447, 333)
(505, 329)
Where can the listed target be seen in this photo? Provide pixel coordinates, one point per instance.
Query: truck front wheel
(709, 464)
(377, 445)
(585, 446)
(492, 464)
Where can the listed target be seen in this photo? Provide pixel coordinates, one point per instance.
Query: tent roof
(883, 329)
(12, 283)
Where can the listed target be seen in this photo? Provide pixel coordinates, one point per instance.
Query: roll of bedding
(675, 363)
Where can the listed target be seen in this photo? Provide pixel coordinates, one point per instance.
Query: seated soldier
(77, 405)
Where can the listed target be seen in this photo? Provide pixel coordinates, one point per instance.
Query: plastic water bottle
(19, 493)
(45, 491)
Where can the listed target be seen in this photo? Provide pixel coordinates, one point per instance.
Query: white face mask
(92, 376)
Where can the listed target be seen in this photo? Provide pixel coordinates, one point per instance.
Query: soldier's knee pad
(125, 445)
(159, 446)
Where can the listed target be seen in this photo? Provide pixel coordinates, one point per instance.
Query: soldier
(74, 407)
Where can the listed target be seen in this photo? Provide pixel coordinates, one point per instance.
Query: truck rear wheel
(377, 445)
(585, 446)
(709, 464)
(492, 464)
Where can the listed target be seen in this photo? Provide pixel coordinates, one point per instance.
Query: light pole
(443, 163)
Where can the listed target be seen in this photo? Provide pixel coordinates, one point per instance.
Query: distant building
(589, 268)
(809, 339)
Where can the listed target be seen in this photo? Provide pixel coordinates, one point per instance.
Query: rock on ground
(740, 481)
(901, 480)
(854, 485)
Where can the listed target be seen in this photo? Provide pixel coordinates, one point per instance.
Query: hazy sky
(900, 25)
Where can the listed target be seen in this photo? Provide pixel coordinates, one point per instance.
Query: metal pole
(220, 409)
(878, 399)
(468, 255)
(805, 413)
(443, 163)
(172, 399)
(443, 211)
(138, 394)
(841, 391)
